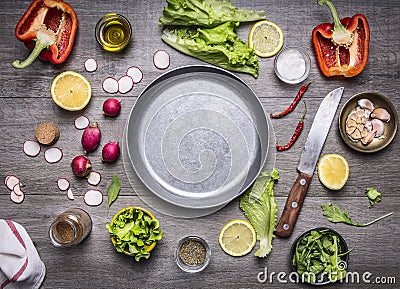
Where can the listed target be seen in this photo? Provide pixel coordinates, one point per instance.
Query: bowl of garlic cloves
(368, 122)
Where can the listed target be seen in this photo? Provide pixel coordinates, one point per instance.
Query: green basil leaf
(113, 190)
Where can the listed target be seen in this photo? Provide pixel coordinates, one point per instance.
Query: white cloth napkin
(20, 264)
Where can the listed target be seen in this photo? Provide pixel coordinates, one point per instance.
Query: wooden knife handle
(293, 206)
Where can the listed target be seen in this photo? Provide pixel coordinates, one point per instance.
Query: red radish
(17, 190)
(161, 59)
(70, 195)
(135, 73)
(94, 178)
(53, 155)
(125, 84)
(81, 122)
(91, 137)
(112, 107)
(31, 148)
(110, 152)
(91, 65)
(110, 85)
(17, 198)
(93, 197)
(63, 184)
(11, 181)
(81, 166)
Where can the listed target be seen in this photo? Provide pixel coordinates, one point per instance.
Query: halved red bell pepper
(342, 47)
(48, 27)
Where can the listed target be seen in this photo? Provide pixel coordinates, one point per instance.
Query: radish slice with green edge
(18, 199)
(93, 198)
(94, 178)
(11, 181)
(31, 148)
(63, 184)
(70, 195)
(91, 65)
(110, 85)
(135, 73)
(17, 190)
(125, 84)
(53, 155)
(161, 59)
(81, 122)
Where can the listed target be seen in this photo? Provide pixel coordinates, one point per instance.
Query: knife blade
(308, 160)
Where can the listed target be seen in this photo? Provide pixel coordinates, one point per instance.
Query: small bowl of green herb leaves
(320, 256)
(134, 231)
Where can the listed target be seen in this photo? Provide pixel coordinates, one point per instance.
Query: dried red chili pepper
(48, 27)
(296, 133)
(294, 103)
(341, 48)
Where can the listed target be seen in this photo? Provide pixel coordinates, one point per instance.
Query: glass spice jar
(70, 228)
(192, 254)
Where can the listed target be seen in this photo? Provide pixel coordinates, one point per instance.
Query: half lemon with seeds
(266, 37)
(237, 238)
(333, 171)
(71, 91)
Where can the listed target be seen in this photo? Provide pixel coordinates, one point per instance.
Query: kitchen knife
(308, 160)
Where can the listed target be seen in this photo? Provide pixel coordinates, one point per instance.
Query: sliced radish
(93, 198)
(110, 85)
(94, 178)
(31, 148)
(161, 59)
(53, 155)
(125, 84)
(135, 73)
(11, 181)
(63, 184)
(17, 190)
(70, 195)
(91, 65)
(17, 198)
(81, 122)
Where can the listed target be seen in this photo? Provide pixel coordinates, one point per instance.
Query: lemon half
(237, 238)
(333, 171)
(266, 37)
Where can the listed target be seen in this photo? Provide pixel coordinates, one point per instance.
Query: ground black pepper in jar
(192, 254)
(70, 228)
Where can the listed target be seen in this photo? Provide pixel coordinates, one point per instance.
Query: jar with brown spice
(70, 228)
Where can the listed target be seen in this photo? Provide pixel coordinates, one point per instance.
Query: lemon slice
(71, 91)
(333, 171)
(266, 38)
(237, 238)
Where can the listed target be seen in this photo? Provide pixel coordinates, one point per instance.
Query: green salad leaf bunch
(133, 231)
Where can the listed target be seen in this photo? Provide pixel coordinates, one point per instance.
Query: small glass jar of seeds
(70, 228)
(192, 254)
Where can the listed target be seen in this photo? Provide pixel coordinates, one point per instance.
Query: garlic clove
(356, 135)
(381, 113)
(350, 130)
(351, 123)
(378, 126)
(366, 103)
(368, 138)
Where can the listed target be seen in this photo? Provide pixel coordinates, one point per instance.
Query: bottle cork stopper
(47, 133)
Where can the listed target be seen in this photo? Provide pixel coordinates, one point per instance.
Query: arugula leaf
(219, 46)
(259, 206)
(113, 190)
(374, 196)
(206, 13)
(335, 215)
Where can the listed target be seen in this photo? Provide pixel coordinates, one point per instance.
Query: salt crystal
(291, 64)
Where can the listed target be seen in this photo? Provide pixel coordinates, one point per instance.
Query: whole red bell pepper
(342, 47)
(48, 27)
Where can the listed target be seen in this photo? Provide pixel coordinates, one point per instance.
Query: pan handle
(293, 205)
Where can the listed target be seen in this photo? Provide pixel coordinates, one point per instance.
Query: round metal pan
(197, 137)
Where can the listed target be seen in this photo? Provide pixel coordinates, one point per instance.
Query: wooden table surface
(25, 102)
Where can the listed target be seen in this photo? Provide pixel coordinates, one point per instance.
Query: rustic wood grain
(25, 102)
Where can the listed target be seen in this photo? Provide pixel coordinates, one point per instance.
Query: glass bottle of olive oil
(113, 32)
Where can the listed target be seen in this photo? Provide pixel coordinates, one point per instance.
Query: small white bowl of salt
(292, 65)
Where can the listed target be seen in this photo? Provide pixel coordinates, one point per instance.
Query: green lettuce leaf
(206, 13)
(259, 206)
(374, 196)
(219, 46)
